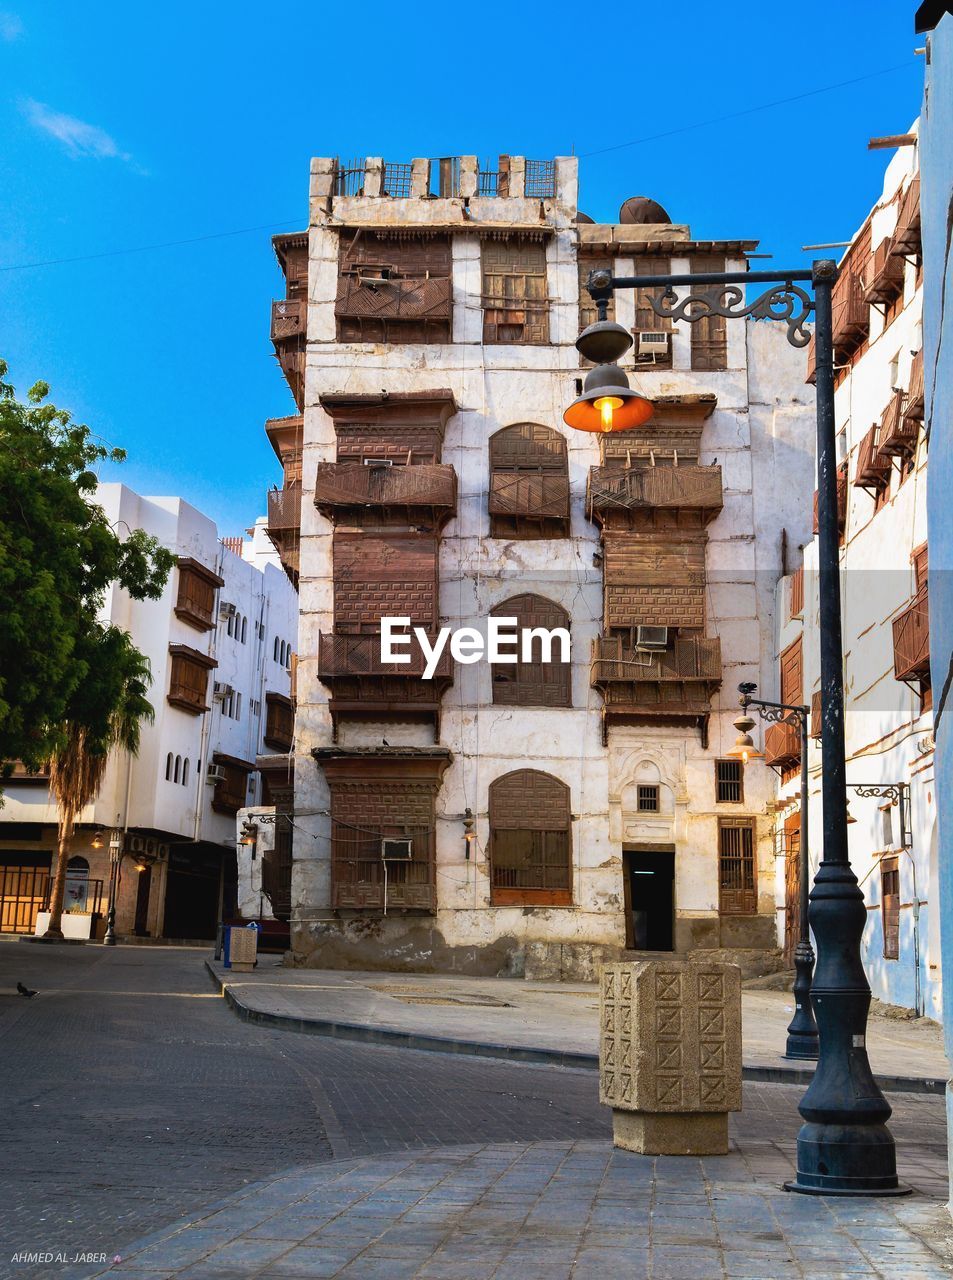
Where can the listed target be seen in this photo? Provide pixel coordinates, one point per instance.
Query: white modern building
(538, 818)
(882, 496)
(220, 642)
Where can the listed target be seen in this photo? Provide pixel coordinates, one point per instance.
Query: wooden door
(792, 886)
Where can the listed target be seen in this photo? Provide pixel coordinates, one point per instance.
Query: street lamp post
(115, 858)
(844, 1147)
(802, 1031)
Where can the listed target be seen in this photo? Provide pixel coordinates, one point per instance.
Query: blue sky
(132, 125)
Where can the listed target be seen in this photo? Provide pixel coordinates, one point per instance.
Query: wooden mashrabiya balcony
(364, 296)
(782, 744)
(674, 686)
(358, 486)
(687, 488)
(911, 639)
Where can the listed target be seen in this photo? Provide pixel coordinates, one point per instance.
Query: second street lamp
(844, 1146)
(802, 1032)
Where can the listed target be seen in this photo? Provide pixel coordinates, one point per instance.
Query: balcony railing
(524, 493)
(612, 489)
(342, 656)
(851, 312)
(913, 409)
(289, 318)
(898, 431)
(353, 484)
(364, 297)
(906, 238)
(782, 744)
(911, 639)
(883, 278)
(677, 683)
(284, 509)
(873, 466)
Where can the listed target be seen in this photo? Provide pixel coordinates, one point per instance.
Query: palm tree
(106, 712)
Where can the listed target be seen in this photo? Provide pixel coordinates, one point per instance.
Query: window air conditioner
(651, 639)
(226, 610)
(653, 342)
(221, 691)
(214, 773)
(378, 462)
(397, 850)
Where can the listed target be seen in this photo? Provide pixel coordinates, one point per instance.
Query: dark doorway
(141, 928)
(650, 899)
(193, 889)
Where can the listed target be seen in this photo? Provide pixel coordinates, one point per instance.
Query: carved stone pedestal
(670, 1055)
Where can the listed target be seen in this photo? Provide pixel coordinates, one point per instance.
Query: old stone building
(531, 817)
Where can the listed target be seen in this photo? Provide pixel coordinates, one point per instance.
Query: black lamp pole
(844, 1147)
(802, 1030)
(115, 858)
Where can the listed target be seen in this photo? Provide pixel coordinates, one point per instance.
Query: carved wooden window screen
(920, 568)
(535, 683)
(530, 839)
(391, 575)
(188, 683)
(646, 321)
(231, 790)
(515, 297)
(363, 814)
(729, 782)
(710, 334)
(890, 906)
(276, 870)
(737, 878)
(792, 674)
(195, 599)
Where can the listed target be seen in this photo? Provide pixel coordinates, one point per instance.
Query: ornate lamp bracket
(785, 301)
(897, 793)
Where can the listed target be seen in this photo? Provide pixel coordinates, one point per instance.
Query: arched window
(530, 840)
(185, 771)
(231, 623)
(534, 683)
(168, 767)
(244, 629)
(238, 706)
(529, 483)
(276, 649)
(77, 885)
(178, 766)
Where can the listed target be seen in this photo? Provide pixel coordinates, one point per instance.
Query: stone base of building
(417, 944)
(697, 1133)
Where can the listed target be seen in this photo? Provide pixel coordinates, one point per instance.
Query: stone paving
(543, 1211)
(556, 1017)
(133, 1098)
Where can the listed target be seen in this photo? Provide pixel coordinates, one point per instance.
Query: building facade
(220, 642)
(526, 817)
(882, 496)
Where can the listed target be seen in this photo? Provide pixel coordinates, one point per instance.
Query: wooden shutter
(535, 683)
(737, 876)
(188, 678)
(710, 334)
(792, 674)
(645, 318)
(890, 906)
(792, 885)
(515, 298)
(656, 581)
(530, 839)
(386, 575)
(729, 782)
(195, 596)
(920, 567)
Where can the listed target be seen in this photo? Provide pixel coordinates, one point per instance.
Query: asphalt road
(131, 1096)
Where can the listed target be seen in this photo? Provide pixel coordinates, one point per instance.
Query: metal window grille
(540, 179)
(397, 179)
(647, 799)
(728, 781)
(349, 178)
(738, 894)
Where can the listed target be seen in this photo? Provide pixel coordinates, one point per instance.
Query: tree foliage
(60, 664)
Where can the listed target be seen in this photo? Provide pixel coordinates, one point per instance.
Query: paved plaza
(142, 1119)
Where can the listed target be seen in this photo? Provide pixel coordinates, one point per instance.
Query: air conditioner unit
(221, 691)
(226, 610)
(214, 773)
(378, 462)
(653, 342)
(651, 639)
(397, 850)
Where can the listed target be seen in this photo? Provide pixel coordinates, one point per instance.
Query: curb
(514, 1053)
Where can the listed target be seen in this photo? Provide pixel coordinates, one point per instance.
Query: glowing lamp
(744, 748)
(608, 403)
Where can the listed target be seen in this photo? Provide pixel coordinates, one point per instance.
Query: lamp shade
(744, 749)
(608, 403)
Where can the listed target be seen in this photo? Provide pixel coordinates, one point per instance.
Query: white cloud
(79, 138)
(10, 26)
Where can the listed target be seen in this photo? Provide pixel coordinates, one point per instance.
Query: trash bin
(243, 949)
(226, 946)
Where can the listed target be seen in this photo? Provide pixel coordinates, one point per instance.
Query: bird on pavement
(25, 991)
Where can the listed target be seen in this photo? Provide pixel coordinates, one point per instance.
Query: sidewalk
(545, 1211)
(549, 1022)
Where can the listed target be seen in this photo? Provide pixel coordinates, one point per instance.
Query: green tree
(106, 711)
(58, 556)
